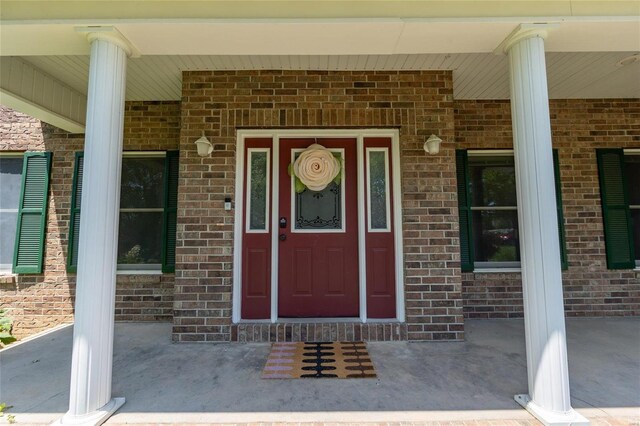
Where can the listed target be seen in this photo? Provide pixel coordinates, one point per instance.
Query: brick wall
(37, 302)
(220, 102)
(578, 128)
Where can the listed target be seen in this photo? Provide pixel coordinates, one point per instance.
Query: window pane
(142, 183)
(493, 181)
(140, 238)
(8, 222)
(319, 209)
(10, 182)
(258, 191)
(378, 189)
(495, 236)
(632, 175)
(635, 221)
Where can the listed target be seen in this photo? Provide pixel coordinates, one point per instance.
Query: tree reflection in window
(494, 209)
(141, 211)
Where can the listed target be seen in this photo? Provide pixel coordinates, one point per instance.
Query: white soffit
(475, 75)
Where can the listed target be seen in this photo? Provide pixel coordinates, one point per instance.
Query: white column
(547, 367)
(90, 401)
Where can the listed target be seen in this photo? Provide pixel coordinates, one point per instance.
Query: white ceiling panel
(475, 75)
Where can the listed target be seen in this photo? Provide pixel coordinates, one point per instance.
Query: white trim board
(358, 135)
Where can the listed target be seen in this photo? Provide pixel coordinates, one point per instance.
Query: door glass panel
(258, 193)
(378, 189)
(317, 211)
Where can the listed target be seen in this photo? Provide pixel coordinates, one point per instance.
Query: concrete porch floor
(417, 382)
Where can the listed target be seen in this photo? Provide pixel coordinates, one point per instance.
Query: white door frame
(359, 135)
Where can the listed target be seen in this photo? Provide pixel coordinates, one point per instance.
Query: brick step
(314, 331)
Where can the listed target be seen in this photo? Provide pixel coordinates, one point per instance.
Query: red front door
(318, 238)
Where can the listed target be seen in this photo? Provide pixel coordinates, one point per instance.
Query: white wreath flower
(316, 167)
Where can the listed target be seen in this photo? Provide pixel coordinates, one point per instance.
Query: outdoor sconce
(432, 145)
(204, 146)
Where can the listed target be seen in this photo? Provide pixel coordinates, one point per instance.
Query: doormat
(319, 360)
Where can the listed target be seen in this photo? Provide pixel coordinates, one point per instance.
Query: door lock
(282, 237)
(283, 222)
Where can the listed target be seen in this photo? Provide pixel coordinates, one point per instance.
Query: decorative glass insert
(632, 175)
(258, 189)
(141, 210)
(318, 211)
(494, 210)
(378, 189)
(11, 182)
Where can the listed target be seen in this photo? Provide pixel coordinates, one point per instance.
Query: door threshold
(317, 320)
(354, 320)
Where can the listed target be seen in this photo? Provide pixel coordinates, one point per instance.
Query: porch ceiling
(583, 50)
(475, 75)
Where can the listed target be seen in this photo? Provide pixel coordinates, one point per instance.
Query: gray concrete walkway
(205, 383)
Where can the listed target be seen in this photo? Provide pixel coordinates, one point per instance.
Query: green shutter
(615, 209)
(464, 212)
(563, 240)
(74, 221)
(32, 213)
(170, 216)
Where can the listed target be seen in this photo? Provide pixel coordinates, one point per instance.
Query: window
(24, 189)
(378, 194)
(489, 236)
(619, 176)
(148, 201)
(632, 173)
(10, 185)
(258, 189)
(494, 215)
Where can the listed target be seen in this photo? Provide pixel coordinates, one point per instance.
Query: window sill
(139, 272)
(6, 277)
(497, 271)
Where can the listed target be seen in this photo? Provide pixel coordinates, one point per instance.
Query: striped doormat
(319, 360)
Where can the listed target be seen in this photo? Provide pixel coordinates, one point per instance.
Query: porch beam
(90, 401)
(32, 91)
(548, 374)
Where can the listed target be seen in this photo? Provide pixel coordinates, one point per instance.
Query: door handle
(282, 237)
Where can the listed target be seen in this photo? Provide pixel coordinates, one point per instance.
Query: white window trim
(386, 189)
(248, 230)
(139, 271)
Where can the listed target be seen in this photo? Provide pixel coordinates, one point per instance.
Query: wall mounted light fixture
(432, 145)
(205, 148)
